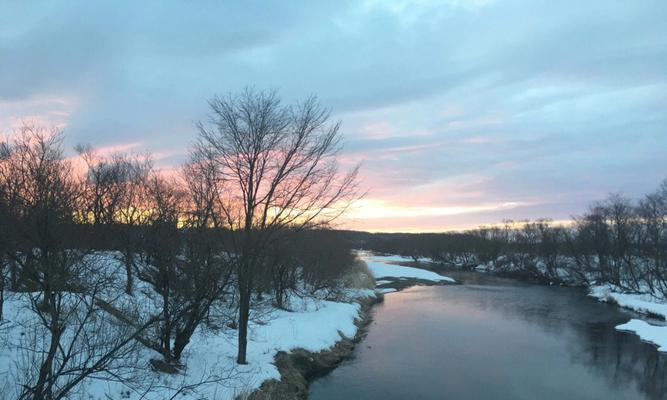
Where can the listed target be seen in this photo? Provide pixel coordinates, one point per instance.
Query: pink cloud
(117, 148)
(42, 110)
(378, 130)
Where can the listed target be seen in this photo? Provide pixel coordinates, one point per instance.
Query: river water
(494, 338)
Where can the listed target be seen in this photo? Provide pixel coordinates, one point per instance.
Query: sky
(462, 112)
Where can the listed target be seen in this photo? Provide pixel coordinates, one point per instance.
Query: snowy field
(382, 268)
(641, 303)
(314, 325)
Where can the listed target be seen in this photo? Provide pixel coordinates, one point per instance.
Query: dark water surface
(497, 339)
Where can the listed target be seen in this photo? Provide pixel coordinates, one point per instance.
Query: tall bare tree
(277, 169)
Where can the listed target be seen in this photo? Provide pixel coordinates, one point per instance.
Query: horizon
(514, 224)
(462, 113)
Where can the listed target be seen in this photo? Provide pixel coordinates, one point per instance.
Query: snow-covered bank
(299, 366)
(317, 326)
(210, 370)
(654, 334)
(383, 267)
(640, 303)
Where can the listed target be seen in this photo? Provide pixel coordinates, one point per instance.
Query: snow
(317, 327)
(314, 325)
(314, 329)
(398, 258)
(381, 267)
(642, 303)
(382, 270)
(656, 335)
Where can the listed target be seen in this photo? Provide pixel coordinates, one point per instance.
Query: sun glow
(377, 209)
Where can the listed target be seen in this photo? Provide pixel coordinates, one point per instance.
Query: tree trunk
(2, 296)
(166, 327)
(129, 265)
(42, 389)
(180, 342)
(245, 287)
(244, 315)
(13, 275)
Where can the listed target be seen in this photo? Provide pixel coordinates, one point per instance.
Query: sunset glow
(453, 129)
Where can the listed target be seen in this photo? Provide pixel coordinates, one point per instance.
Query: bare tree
(277, 167)
(74, 339)
(552, 239)
(5, 220)
(43, 200)
(70, 340)
(114, 196)
(323, 256)
(162, 248)
(184, 263)
(653, 213)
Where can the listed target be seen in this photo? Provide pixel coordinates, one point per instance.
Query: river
(494, 338)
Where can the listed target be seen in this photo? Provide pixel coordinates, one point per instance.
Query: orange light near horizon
(373, 215)
(376, 209)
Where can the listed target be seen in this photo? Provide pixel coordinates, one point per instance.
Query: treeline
(241, 226)
(616, 241)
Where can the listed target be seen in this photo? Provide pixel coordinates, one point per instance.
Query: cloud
(38, 110)
(545, 104)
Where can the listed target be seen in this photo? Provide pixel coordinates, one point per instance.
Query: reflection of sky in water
(497, 340)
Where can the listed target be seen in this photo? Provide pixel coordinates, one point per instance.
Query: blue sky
(463, 112)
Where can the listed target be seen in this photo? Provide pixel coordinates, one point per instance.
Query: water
(496, 339)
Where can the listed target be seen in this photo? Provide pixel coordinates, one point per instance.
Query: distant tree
(624, 228)
(324, 256)
(653, 212)
(277, 167)
(114, 196)
(494, 242)
(551, 245)
(5, 220)
(593, 244)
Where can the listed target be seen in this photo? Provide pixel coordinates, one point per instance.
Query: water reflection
(497, 339)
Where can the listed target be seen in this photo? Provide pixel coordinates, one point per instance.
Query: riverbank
(651, 329)
(299, 366)
(208, 369)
